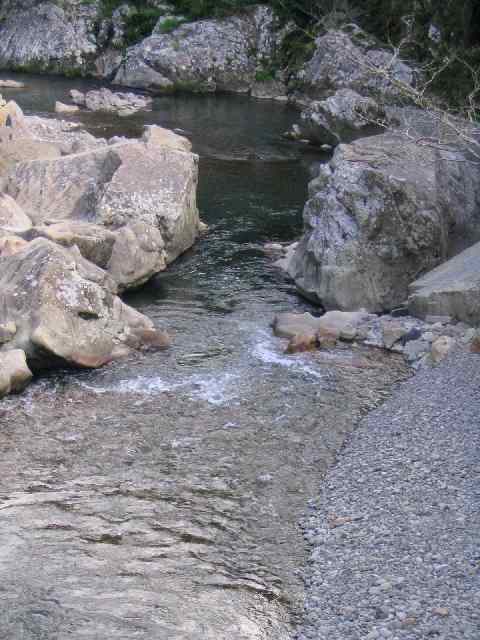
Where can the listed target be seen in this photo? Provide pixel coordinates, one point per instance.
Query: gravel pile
(395, 534)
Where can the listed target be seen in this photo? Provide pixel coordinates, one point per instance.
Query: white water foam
(266, 350)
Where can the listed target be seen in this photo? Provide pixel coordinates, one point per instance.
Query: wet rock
(302, 342)
(65, 309)
(452, 289)
(392, 332)
(269, 90)
(475, 342)
(349, 59)
(341, 118)
(441, 347)
(14, 372)
(60, 107)
(289, 325)
(379, 213)
(204, 56)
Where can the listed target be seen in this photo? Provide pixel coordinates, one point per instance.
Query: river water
(159, 498)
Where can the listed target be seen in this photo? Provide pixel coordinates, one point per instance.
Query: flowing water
(159, 498)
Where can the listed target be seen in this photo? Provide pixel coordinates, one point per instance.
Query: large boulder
(65, 309)
(341, 118)
(141, 195)
(380, 212)
(13, 219)
(205, 56)
(349, 59)
(452, 289)
(48, 36)
(14, 372)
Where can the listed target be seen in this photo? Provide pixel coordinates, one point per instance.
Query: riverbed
(160, 498)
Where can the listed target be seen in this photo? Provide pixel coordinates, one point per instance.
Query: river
(160, 498)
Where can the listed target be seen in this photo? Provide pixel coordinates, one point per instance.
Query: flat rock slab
(452, 289)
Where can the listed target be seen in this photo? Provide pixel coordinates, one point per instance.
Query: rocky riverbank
(81, 220)
(394, 531)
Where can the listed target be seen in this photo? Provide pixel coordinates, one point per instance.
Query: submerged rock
(383, 210)
(452, 289)
(65, 309)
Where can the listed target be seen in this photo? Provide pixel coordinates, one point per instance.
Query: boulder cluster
(81, 220)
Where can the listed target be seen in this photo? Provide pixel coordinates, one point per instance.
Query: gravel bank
(395, 533)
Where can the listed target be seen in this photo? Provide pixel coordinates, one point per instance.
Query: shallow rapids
(159, 498)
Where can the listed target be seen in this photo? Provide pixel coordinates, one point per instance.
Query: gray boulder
(342, 117)
(129, 207)
(124, 104)
(47, 36)
(349, 59)
(381, 212)
(451, 289)
(13, 219)
(203, 56)
(65, 309)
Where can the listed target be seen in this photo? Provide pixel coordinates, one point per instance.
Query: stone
(14, 372)
(44, 36)
(60, 107)
(166, 138)
(475, 343)
(452, 289)
(11, 84)
(12, 116)
(380, 212)
(289, 325)
(441, 347)
(65, 309)
(392, 332)
(269, 90)
(301, 343)
(116, 102)
(341, 118)
(10, 245)
(203, 56)
(78, 98)
(349, 59)
(415, 349)
(144, 193)
(13, 220)
(7, 331)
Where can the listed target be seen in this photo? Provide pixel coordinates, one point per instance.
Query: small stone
(441, 347)
(392, 332)
(301, 343)
(443, 612)
(60, 107)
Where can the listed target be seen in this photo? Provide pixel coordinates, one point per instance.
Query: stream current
(159, 498)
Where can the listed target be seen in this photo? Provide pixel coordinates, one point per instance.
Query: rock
(289, 325)
(10, 245)
(78, 98)
(43, 36)
(301, 343)
(166, 138)
(11, 84)
(475, 344)
(65, 309)
(392, 332)
(204, 56)
(13, 220)
(14, 372)
(19, 150)
(143, 192)
(269, 90)
(341, 118)
(12, 116)
(350, 60)
(7, 331)
(120, 103)
(379, 213)
(441, 347)
(452, 289)
(415, 349)
(60, 107)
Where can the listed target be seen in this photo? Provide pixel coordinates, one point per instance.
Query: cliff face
(57, 36)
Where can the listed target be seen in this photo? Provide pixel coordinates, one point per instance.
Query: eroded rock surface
(65, 309)
(14, 371)
(381, 212)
